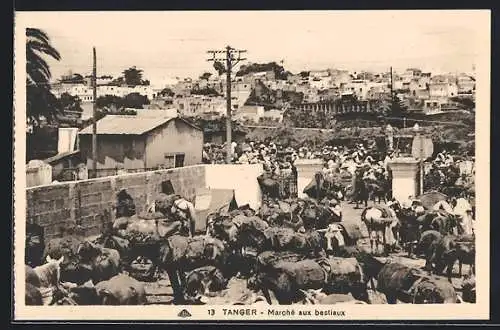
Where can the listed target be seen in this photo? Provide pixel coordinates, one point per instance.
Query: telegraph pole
(231, 62)
(94, 117)
(392, 85)
(228, 106)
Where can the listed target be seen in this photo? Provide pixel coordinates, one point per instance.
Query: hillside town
(261, 92)
(249, 185)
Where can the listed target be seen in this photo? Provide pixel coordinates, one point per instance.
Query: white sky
(169, 44)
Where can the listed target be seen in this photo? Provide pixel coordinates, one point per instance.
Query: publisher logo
(184, 313)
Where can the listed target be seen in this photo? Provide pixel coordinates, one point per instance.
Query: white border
(480, 310)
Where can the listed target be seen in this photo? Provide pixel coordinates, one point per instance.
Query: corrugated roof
(122, 124)
(143, 122)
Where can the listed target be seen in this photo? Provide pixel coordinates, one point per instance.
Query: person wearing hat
(183, 214)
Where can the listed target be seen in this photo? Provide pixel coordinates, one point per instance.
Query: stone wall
(86, 202)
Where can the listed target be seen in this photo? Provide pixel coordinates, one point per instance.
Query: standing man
(184, 216)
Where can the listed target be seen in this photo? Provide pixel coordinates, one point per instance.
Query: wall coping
(104, 178)
(147, 173)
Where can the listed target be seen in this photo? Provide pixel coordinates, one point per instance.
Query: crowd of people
(444, 170)
(279, 158)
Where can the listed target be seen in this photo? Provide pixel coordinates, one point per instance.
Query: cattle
(409, 231)
(49, 273)
(469, 289)
(110, 241)
(466, 254)
(142, 269)
(121, 290)
(252, 299)
(426, 246)
(268, 259)
(378, 189)
(381, 221)
(434, 291)
(409, 285)
(317, 297)
(204, 281)
(269, 184)
(439, 218)
(103, 263)
(286, 279)
(118, 290)
(84, 294)
(66, 247)
(281, 239)
(31, 277)
(32, 296)
(342, 237)
(242, 231)
(444, 255)
(179, 254)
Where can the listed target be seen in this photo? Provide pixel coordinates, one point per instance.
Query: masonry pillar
(404, 178)
(306, 168)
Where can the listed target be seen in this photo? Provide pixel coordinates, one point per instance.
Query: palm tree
(40, 101)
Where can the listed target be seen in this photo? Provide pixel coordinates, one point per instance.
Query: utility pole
(392, 85)
(94, 117)
(231, 62)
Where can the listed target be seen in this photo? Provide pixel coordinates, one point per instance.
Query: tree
(466, 103)
(398, 108)
(133, 76)
(279, 72)
(69, 102)
(117, 82)
(205, 76)
(304, 74)
(167, 92)
(205, 91)
(109, 102)
(40, 102)
(219, 67)
(135, 100)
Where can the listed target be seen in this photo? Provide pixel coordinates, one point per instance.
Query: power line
(231, 62)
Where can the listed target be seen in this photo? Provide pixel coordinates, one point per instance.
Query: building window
(174, 160)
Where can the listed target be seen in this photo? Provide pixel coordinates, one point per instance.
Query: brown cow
(121, 290)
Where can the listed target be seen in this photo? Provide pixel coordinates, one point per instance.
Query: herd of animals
(288, 251)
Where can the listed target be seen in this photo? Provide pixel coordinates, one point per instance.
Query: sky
(170, 44)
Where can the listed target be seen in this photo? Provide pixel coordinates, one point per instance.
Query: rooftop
(143, 122)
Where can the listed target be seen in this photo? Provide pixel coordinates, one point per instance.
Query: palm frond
(37, 34)
(36, 67)
(42, 47)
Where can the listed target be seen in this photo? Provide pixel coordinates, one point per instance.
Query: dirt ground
(160, 292)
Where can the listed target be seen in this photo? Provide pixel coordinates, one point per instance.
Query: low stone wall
(86, 202)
